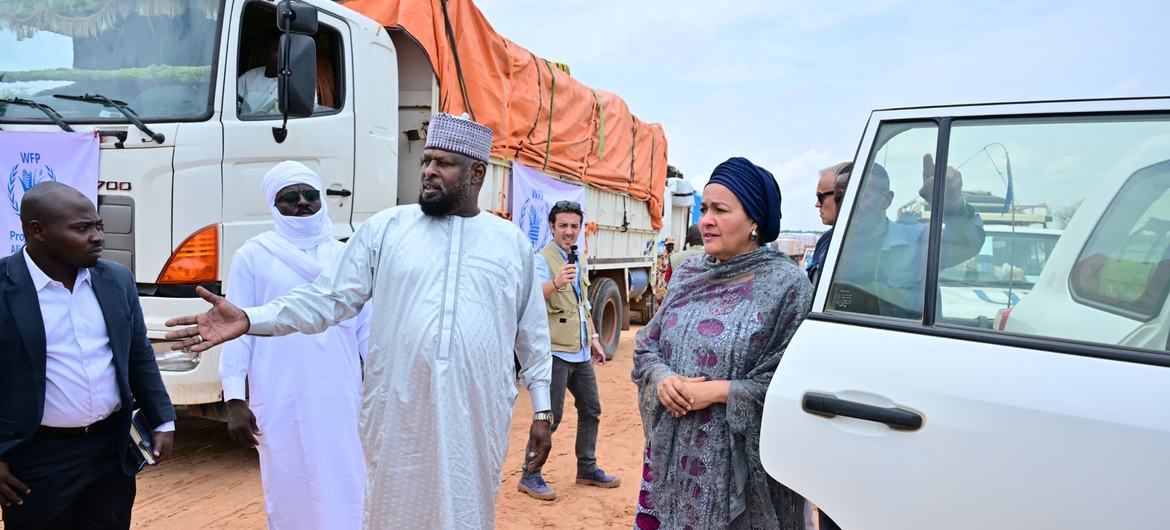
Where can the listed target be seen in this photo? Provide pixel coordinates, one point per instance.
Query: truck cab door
(323, 141)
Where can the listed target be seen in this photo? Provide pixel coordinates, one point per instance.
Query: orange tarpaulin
(540, 115)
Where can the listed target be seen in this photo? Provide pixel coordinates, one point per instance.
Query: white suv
(890, 410)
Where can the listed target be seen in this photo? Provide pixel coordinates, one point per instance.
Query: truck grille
(117, 213)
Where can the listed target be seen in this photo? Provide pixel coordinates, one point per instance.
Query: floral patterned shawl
(725, 321)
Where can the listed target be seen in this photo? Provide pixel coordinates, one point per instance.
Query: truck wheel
(606, 300)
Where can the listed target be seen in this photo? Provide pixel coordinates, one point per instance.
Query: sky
(790, 84)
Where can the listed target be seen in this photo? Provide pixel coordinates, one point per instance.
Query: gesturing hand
(539, 444)
(221, 323)
(10, 487)
(242, 427)
(954, 184)
(674, 395)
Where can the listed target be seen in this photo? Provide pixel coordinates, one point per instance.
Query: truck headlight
(169, 360)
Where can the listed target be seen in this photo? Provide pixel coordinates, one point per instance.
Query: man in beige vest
(574, 346)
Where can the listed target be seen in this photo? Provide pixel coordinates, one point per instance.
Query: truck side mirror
(296, 17)
(296, 63)
(297, 88)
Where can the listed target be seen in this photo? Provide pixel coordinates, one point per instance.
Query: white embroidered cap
(459, 135)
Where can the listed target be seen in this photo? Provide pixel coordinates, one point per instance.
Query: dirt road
(209, 483)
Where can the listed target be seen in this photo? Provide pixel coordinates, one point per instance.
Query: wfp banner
(30, 158)
(533, 196)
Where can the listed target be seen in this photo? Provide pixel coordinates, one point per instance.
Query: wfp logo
(534, 219)
(26, 174)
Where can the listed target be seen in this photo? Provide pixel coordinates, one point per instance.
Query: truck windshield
(157, 56)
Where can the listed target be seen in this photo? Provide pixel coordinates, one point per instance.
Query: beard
(448, 200)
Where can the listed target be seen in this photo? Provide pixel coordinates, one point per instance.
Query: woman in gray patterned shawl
(704, 362)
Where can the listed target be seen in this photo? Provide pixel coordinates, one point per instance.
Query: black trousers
(580, 380)
(77, 482)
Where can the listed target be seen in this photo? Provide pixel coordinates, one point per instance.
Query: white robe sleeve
(237, 354)
(363, 332)
(338, 294)
(533, 345)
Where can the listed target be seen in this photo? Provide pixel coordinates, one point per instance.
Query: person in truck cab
(257, 87)
(886, 270)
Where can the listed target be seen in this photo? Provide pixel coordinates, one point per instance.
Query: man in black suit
(74, 363)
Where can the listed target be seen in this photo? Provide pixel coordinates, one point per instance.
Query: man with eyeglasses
(575, 348)
(297, 398)
(830, 189)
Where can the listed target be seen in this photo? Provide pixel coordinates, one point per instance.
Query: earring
(755, 235)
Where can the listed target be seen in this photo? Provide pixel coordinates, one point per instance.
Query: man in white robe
(258, 87)
(304, 390)
(455, 295)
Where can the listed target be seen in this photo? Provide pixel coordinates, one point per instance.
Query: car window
(1126, 264)
(882, 265)
(256, 80)
(1076, 217)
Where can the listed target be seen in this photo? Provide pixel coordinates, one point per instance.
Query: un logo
(22, 178)
(534, 220)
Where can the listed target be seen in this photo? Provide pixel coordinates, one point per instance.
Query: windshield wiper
(52, 114)
(121, 106)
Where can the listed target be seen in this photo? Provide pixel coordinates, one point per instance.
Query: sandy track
(210, 483)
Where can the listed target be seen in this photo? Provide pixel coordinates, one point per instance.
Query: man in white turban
(455, 297)
(303, 392)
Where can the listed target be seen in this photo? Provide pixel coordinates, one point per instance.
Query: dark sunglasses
(822, 195)
(567, 205)
(291, 197)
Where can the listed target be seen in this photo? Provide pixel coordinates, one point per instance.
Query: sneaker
(537, 488)
(598, 478)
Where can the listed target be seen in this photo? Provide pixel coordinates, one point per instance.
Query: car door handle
(343, 193)
(830, 406)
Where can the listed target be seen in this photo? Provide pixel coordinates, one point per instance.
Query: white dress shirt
(81, 387)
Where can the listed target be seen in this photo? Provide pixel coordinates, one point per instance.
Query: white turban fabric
(302, 232)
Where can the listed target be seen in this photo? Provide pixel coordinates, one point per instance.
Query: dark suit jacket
(22, 353)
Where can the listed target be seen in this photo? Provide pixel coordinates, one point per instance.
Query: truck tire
(606, 300)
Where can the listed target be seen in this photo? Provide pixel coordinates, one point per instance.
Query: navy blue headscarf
(756, 189)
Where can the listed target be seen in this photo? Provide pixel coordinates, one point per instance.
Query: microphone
(572, 254)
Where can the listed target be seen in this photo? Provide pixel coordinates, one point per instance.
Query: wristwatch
(543, 416)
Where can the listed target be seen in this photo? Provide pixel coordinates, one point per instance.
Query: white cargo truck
(183, 153)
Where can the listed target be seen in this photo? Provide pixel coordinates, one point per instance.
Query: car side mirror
(296, 63)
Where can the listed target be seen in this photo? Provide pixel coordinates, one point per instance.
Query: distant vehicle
(897, 407)
(1109, 278)
(999, 277)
